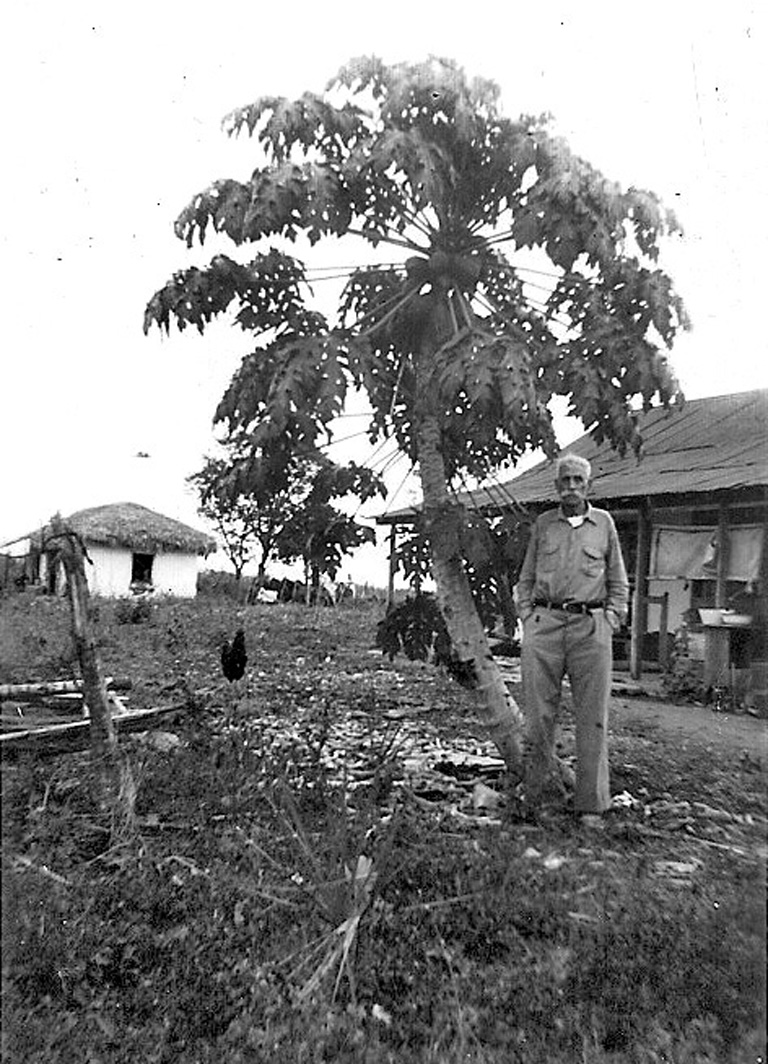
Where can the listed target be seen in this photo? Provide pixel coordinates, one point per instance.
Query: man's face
(572, 487)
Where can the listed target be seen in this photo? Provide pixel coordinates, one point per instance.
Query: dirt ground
(640, 705)
(695, 724)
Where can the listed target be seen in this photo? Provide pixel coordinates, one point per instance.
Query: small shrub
(214, 584)
(684, 678)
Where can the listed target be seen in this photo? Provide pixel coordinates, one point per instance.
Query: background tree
(523, 274)
(250, 496)
(281, 504)
(318, 532)
(237, 518)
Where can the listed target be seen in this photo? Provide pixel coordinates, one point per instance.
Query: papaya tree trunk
(443, 516)
(495, 706)
(115, 785)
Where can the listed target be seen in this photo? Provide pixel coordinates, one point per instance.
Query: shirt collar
(588, 516)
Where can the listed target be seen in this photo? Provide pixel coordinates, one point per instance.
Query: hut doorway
(141, 569)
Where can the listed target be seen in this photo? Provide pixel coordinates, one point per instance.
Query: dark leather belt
(570, 607)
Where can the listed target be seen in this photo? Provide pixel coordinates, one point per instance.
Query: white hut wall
(175, 573)
(110, 574)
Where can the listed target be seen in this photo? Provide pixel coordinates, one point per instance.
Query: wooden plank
(29, 722)
(56, 687)
(49, 687)
(71, 704)
(52, 708)
(75, 735)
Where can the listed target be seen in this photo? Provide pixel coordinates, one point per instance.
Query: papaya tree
(520, 273)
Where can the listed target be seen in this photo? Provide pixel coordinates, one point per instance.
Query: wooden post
(721, 589)
(663, 601)
(392, 567)
(716, 655)
(640, 596)
(118, 791)
(663, 626)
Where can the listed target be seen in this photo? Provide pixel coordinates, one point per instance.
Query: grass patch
(288, 899)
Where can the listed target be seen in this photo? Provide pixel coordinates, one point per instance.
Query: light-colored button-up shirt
(567, 564)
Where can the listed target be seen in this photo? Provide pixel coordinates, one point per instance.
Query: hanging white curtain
(692, 553)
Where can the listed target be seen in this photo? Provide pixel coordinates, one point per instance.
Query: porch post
(663, 626)
(640, 595)
(721, 591)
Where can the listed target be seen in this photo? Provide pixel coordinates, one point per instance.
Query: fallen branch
(739, 851)
(24, 863)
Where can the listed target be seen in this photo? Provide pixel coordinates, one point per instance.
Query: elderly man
(572, 595)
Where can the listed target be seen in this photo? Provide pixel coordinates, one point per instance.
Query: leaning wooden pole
(117, 791)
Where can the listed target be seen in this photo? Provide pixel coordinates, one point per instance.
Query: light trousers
(556, 644)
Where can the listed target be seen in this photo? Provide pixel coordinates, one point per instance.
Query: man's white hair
(572, 461)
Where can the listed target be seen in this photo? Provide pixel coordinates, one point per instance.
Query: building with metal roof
(704, 447)
(691, 512)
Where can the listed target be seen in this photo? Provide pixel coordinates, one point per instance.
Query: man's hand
(613, 619)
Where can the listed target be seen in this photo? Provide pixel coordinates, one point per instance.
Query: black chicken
(234, 658)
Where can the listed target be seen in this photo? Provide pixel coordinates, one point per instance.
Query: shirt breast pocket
(593, 561)
(548, 557)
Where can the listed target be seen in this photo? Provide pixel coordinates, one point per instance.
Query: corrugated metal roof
(706, 445)
(711, 444)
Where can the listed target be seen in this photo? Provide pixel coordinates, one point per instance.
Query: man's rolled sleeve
(527, 579)
(616, 582)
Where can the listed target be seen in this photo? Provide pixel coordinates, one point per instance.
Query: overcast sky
(111, 122)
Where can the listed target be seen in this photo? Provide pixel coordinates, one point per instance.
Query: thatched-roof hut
(134, 548)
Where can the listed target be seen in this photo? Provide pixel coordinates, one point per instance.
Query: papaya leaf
(419, 156)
